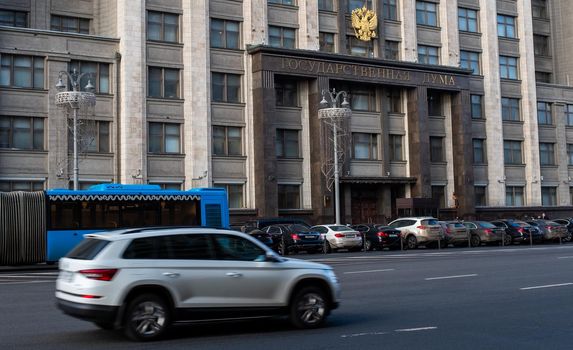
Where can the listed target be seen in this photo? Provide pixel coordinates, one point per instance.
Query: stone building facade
(468, 102)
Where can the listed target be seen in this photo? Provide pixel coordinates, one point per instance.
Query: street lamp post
(75, 100)
(333, 116)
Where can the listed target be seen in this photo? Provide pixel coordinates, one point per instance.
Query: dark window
(93, 136)
(569, 154)
(396, 149)
(569, 115)
(237, 248)
(282, 37)
(546, 154)
(326, 5)
(543, 77)
(512, 152)
(326, 41)
(234, 194)
(99, 76)
(510, 109)
(549, 196)
(470, 60)
(13, 18)
(426, 13)
(439, 193)
(21, 71)
(168, 185)
(358, 4)
(282, 2)
(394, 101)
(87, 249)
(479, 151)
(467, 20)
(70, 24)
(391, 50)
(287, 143)
(514, 196)
(22, 133)
(141, 248)
(362, 99)
(539, 9)
(389, 10)
(17, 185)
(225, 34)
(506, 26)
(286, 93)
(226, 87)
(434, 103)
(477, 106)
(162, 26)
(544, 113)
(541, 45)
(164, 138)
(357, 47)
(436, 149)
(188, 247)
(227, 141)
(163, 82)
(289, 196)
(480, 196)
(365, 146)
(428, 54)
(508, 67)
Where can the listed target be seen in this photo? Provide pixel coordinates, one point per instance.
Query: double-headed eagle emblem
(364, 22)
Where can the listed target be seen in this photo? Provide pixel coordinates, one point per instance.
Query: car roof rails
(158, 228)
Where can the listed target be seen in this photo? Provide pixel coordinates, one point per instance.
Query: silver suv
(419, 230)
(143, 280)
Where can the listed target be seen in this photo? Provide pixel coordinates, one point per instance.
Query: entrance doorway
(364, 211)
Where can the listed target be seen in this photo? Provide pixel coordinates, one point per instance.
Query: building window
(365, 146)
(506, 26)
(282, 37)
(428, 54)
(94, 136)
(22, 133)
(391, 50)
(548, 196)
(162, 26)
(286, 92)
(21, 71)
(226, 87)
(510, 110)
(99, 77)
(357, 47)
(539, 9)
(426, 13)
(470, 60)
(436, 149)
(541, 45)
(70, 24)
(544, 113)
(174, 186)
(287, 143)
(480, 196)
(362, 99)
(479, 151)
(283, 2)
(569, 115)
(13, 18)
(163, 82)
(394, 104)
(477, 106)
(326, 5)
(542, 77)
(439, 194)
(512, 152)
(546, 154)
(569, 154)
(289, 196)
(164, 138)
(326, 42)
(389, 10)
(17, 185)
(396, 149)
(224, 34)
(570, 195)
(508, 67)
(467, 20)
(434, 104)
(235, 194)
(227, 141)
(357, 4)
(514, 196)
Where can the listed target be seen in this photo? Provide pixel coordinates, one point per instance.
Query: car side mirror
(272, 257)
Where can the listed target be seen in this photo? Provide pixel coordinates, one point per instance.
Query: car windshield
(430, 222)
(486, 224)
(340, 228)
(298, 228)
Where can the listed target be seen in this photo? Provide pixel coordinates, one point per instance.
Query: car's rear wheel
(475, 241)
(411, 242)
(368, 245)
(147, 318)
(283, 250)
(327, 247)
(507, 239)
(309, 308)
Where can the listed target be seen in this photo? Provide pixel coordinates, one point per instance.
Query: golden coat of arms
(364, 22)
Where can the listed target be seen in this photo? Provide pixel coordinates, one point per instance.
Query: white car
(143, 280)
(339, 237)
(425, 230)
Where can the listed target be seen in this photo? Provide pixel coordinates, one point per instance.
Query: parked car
(378, 236)
(261, 223)
(569, 224)
(294, 238)
(484, 232)
(262, 236)
(419, 230)
(516, 231)
(550, 229)
(339, 237)
(536, 235)
(143, 280)
(455, 233)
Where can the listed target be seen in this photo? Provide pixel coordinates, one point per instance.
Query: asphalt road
(486, 298)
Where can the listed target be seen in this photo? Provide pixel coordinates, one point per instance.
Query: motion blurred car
(516, 231)
(378, 236)
(484, 232)
(551, 230)
(416, 231)
(292, 238)
(455, 233)
(339, 237)
(569, 224)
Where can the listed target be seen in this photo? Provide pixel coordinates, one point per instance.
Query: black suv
(289, 238)
(516, 231)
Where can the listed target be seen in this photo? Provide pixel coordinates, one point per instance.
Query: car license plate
(308, 237)
(350, 236)
(66, 276)
(393, 236)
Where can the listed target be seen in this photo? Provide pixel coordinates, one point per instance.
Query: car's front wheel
(147, 318)
(309, 308)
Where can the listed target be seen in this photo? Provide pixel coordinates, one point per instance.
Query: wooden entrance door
(364, 211)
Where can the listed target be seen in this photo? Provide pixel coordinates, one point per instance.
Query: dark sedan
(264, 237)
(378, 236)
(292, 238)
(516, 231)
(551, 230)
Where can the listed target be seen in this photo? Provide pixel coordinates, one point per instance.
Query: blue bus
(68, 215)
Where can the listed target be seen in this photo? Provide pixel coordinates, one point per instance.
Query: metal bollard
(469, 240)
(531, 238)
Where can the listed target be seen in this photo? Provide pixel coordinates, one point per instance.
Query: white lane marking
(24, 282)
(414, 329)
(367, 271)
(448, 277)
(362, 334)
(547, 286)
(565, 257)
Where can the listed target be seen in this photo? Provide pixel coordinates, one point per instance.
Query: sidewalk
(34, 267)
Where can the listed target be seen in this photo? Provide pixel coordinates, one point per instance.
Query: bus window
(62, 216)
(131, 215)
(151, 214)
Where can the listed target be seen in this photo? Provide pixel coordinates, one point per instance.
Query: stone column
(409, 29)
(342, 40)
(308, 38)
(448, 17)
(561, 157)
(418, 139)
(305, 137)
